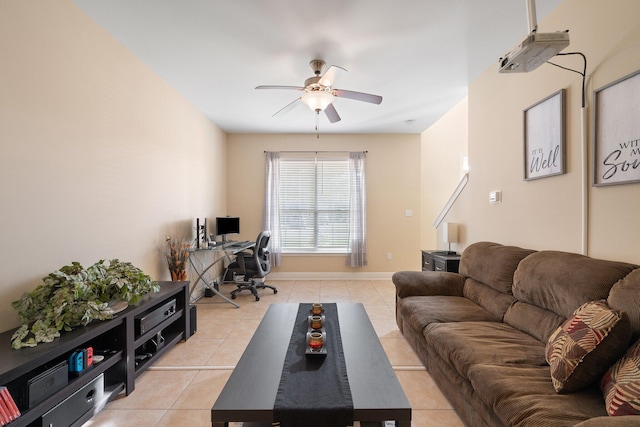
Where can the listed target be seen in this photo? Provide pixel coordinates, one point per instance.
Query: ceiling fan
(319, 93)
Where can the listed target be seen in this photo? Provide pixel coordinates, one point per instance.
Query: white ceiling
(419, 55)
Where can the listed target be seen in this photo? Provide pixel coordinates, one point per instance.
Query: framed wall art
(616, 134)
(544, 137)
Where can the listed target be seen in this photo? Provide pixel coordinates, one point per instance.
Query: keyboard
(238, 244)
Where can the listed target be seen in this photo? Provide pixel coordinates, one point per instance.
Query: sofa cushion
(492, 264)
(621, 384)
(496, 303)
(585, 345)
(460, 393)
(562, 281)
(523, 396)
(535, 321)
(625, 296)
(418, 312)
(465, 344)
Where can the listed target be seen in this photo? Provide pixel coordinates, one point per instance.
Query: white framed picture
(616, 134)
(544, 137)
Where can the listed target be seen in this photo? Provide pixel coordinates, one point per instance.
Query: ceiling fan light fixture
(317, 99)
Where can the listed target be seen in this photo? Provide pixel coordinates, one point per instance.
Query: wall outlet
(389, 255)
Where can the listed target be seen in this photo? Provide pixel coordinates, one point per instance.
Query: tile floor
(180, 388)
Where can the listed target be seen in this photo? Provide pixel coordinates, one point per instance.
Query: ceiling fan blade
(330, 76)
(358, 96)
(279, 87)
(290, 106)
(332, 114)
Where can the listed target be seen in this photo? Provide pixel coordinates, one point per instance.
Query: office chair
(253, 266)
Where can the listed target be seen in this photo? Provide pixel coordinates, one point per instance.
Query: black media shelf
(114, 338)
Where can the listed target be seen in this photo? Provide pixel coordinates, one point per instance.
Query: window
(314, 204)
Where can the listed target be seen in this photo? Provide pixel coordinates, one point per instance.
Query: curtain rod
(316, 151)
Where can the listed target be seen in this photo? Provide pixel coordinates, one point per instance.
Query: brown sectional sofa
(481, 333)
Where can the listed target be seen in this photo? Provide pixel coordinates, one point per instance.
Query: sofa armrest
(427, 283)
(624, 421)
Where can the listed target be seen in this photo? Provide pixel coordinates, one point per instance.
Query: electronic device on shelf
(76, 405)
(226, 225)
(147, 321)
(43, 385)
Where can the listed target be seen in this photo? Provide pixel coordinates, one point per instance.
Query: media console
(127, 352)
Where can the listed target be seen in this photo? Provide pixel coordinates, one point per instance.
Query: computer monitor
(227, 225)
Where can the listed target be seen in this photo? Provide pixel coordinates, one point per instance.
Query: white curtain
(271, 213)
(358, 217)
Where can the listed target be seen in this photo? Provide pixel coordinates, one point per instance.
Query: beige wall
(100, 157)
(393, 186)
(443, 146)
(547, 213)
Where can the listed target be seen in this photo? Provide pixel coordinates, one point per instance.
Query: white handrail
(452, 199)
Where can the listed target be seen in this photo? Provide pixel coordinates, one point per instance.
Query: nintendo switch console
(46, 383)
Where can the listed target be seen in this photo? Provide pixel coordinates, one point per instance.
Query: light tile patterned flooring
(180, 388)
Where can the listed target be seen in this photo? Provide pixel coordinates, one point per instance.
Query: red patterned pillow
(585, 345)
(621, 384)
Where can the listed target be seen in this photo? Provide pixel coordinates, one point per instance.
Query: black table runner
(314, 390)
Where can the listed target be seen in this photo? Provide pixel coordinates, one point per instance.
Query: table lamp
(450, 234)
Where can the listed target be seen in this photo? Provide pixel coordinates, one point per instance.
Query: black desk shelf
(114, 337)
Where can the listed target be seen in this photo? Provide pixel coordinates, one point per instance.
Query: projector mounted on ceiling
(535, 49)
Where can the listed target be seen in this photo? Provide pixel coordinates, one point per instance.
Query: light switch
(495, 196)
(408, 212)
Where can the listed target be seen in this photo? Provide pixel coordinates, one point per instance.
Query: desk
(220, 252)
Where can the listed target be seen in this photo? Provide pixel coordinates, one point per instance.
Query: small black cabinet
(116, 339)
(440, 261)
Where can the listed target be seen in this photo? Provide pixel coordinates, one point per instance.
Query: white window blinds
(314, 204)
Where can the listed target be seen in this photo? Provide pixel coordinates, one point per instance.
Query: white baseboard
(322, 275)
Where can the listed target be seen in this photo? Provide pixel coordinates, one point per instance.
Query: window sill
(315, 253)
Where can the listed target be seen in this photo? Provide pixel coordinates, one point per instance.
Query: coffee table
(250, 392)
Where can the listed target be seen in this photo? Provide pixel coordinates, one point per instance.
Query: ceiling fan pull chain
(317, 124)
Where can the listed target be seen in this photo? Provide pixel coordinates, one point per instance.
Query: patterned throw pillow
(621, 384)
(585, 345)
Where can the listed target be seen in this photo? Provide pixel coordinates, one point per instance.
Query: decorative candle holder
(316, 341)
(315, 322)
(316, 309)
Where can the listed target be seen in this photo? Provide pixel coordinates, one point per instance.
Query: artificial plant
(74, 296)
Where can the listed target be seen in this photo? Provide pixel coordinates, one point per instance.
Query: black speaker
(192, 320)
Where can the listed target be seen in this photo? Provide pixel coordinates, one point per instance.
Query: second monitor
(227, 225)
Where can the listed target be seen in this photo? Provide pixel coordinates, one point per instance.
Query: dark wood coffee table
(250, 393)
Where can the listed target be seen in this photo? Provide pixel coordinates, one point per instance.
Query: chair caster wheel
(233, 296)
(275, 291)
(257, 298)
